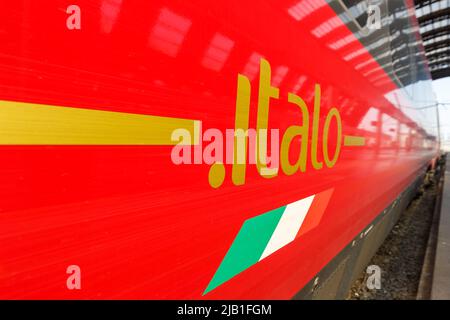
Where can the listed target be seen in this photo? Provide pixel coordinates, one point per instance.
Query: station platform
(440, 284)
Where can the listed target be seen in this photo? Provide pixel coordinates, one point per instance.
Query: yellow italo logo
(60, 125)
(249, 145)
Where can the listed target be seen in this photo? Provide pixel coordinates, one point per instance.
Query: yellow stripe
(36, 124)
(354, 141)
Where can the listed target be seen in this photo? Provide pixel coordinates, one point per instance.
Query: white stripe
(288, 226)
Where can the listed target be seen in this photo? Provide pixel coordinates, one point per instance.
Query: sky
(442, 90)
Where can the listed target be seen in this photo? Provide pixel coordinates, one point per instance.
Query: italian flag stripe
(288, 226)
(265, 234)
(247, 247)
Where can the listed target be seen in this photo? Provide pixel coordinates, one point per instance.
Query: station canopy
(434, 21)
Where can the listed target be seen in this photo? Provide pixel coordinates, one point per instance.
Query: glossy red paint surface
(138, 225)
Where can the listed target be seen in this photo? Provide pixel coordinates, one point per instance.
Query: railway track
(407, 257)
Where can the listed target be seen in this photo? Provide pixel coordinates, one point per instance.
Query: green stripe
(247, 247)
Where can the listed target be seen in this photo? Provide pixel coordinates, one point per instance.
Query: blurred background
(434, 21)
(442, 90)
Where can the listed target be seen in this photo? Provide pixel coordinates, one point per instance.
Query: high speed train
(206, 149)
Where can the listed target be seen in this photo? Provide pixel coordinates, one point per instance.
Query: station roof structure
(434, 21)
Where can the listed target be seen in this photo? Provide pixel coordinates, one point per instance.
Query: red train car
(205, 149)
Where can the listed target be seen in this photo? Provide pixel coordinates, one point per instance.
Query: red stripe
(316, 211)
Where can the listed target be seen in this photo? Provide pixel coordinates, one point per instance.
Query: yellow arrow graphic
(37, 124)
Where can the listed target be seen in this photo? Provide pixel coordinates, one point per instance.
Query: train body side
(139, 225)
